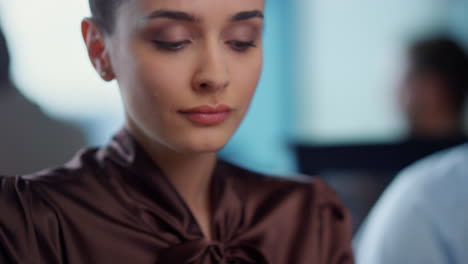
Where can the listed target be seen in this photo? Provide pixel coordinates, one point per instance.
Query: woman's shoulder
(300, 208)
(35, 193)
(32, 205)
(29, 191)
(25, 213)
(83, 164)
(312, 188)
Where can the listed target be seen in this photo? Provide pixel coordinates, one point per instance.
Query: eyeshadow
(243, 32)
(169, 32)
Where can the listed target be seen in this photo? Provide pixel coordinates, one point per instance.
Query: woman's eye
(171, 46)
(241, 45)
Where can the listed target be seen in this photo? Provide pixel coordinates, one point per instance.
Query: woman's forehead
(197, 8)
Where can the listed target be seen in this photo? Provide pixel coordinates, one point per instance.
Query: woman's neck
(190, 174)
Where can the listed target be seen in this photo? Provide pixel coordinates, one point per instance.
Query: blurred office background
(329, 81)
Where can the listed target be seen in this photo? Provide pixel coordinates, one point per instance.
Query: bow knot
(216, 250)
(205, 252)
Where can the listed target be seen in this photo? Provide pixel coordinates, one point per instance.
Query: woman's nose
(212, 74)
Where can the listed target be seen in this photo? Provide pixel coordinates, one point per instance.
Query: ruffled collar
(157, 197)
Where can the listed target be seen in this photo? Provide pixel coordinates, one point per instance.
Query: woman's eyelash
(170, 46)
(175, 46)
(241, 45)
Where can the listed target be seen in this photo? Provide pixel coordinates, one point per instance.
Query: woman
(187, 70)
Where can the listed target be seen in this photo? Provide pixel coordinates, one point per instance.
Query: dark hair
(4, 60)
(103, 13)
(445, 58)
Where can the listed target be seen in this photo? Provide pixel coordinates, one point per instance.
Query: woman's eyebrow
(247, 15)
(183, 16)
(175, 15)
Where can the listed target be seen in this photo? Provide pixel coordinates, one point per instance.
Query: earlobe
(95, 44)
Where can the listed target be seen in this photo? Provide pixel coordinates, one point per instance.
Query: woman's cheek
(251, 76)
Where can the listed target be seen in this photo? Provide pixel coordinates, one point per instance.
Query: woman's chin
(202, 141)
(203, 147)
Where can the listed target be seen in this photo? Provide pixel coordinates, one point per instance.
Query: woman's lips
(207, 115)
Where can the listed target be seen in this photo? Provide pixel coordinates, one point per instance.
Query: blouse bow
(205, 252)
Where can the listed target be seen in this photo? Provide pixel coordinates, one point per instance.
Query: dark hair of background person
(103, 13)
(4, 61)
(444, 58)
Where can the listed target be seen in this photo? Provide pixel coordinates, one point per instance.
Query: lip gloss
(207, 115)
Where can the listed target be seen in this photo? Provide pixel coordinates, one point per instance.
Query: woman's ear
(97, 52)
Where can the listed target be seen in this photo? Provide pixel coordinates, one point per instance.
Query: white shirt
(422, 217)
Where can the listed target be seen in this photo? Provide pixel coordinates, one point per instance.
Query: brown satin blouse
(113, 205)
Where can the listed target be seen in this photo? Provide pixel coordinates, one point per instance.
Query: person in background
(434, 90)
(29, 139)
(422, 217)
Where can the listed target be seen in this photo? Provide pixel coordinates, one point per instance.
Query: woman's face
(187, 69)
